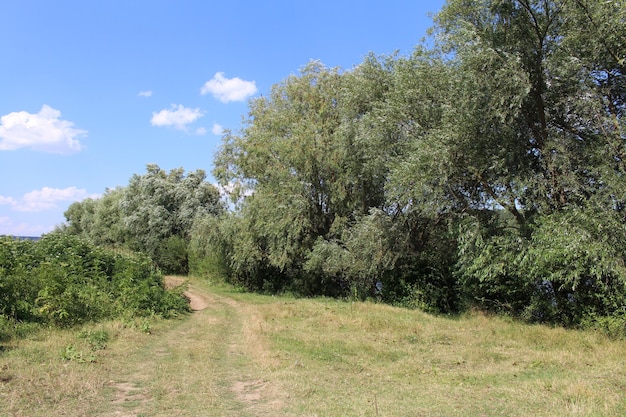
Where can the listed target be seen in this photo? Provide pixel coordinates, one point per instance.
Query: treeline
(62, 280)
(154, 215)
(486, 171)
(108, 260)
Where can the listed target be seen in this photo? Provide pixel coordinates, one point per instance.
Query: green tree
(154, 214)
(537, 132)
(456, 172)
(108, 228)
(79, 217)
(315, 157)
(158, 210)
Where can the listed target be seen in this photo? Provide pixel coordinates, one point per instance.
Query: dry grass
(35, 379)
(248, 355)
(369, 360)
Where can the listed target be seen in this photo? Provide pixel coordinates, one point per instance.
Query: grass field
(250, 355)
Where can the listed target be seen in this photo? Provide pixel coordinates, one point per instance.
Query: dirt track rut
(209, 363)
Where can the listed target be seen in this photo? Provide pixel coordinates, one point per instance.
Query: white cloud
(43, 131)
(228, 89)
(147, 93)
(46, 199)
(200, 131)
(7, 201)
(10, 228)
(217, 129)
(177, 116)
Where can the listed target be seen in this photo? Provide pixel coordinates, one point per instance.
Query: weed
(146, 327)
(97, 339)
(72, 354)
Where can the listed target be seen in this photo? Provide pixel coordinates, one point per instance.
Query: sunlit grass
(320, 357)
(38, 377)
(370, 359)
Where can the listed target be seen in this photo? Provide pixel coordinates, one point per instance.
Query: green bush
(171, 256)
(613, 326)
(208, 247)
(97, 339)
(566, 268)
(63, 280)
(6, 330)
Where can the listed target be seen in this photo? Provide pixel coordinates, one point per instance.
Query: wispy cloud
(147, 93)
(10, 227)
(228, 89)
(44, 131)
(7, 201)
(177, 116)
(217, 129)
(46, 198)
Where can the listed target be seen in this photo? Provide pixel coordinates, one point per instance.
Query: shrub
(63, 280)
(613, 326)
(566, 268)
(171, 256)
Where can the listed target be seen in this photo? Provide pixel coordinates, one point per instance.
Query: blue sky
(93, 91)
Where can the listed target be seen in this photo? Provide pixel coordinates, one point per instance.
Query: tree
(80, 217)
(158, 210)
(154, 214)
(456, 173)
(537, 131)
(315, 157)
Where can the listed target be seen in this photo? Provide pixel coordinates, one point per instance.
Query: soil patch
(259, 395)
(197, 299)
(129, 392)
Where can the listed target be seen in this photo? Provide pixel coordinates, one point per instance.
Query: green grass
(250, 355)
(370, 359)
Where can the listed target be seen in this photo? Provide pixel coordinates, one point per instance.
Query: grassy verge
(62, 372)
(364, 359)
(249, 355)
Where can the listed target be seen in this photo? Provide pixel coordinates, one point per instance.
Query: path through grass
(249, 355)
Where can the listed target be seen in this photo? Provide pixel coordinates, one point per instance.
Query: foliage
(569, 270)
(154, 214)
(75, 355)
(63, 280)
(206, 251)
(553, 160)
(315, 155)
(614, 326)
(172, 255)
(97, 339)
(486, 171)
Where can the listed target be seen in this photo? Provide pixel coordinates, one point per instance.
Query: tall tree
(537, 131)
(533, 98)
(159, 209)
(154, 214)
(449, 171)
(314, 157)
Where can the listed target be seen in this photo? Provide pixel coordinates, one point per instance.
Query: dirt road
(198, 299)
(209, 364)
